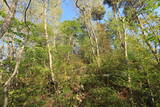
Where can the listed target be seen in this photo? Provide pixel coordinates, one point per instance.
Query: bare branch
(76, 3)
(7, 4)
(25, 13)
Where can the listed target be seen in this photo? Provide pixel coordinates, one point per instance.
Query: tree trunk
(87, 17)
(92, 36)
(1, 59)
(126, 60)
(7, 21)
(47, 41)
(8, 82)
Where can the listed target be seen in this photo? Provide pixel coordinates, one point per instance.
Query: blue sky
(69, 10)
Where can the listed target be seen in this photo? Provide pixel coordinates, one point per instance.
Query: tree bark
(7, 21)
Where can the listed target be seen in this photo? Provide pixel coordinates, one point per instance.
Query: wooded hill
(84, 62)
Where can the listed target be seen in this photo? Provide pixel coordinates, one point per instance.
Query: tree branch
(7, 4)
(25, 14)
(7, 21)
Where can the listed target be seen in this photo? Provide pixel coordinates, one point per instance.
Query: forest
(108, 55)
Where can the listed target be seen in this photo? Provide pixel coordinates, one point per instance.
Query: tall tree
(45, 4)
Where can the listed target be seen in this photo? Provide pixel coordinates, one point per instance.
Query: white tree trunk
(47, 41)
(15, 72)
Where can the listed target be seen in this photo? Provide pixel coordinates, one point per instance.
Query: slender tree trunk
(47, 41)
(125, 41)
(119, 33)
(15, 72)
(7, 21)
(126, 59)
(1, 76)
(11, 48)
(97, 51)
(93, 37)
(125, 48)
(150, 89)
(1, 59)
(87, 17)
(89, 34)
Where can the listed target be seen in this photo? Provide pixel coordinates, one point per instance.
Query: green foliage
(127, 76)
(98, 12)
(2, 14)
(71, 28)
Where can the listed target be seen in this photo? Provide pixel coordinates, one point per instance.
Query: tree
(8, 18)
